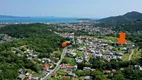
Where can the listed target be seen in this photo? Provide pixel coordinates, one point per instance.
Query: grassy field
(61, 72)
(125, 57)
(137, 54)
(58, 51)
(79, 53)
(69, 60)
(38, 75)
(114, 39)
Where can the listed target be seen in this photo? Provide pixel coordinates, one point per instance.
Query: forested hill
(128, 16)
(37, 37)
(131, 21)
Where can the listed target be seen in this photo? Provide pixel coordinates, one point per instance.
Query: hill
(128, 16)
(36, 37)
(130, 21)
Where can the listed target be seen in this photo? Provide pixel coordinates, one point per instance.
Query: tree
(118, 76)
(1, 77)
(98, 75)
(80, 73)
(97, 63)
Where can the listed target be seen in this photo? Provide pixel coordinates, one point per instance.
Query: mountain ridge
(133, 15)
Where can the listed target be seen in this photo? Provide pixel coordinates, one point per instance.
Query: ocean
(37, 19)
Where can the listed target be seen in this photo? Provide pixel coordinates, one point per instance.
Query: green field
(125, 57)
(114, 39)
(137, 54)
(79, 53)
(61, 72)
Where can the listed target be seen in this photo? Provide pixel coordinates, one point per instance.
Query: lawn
(137, 54)
(54, 79)
(79, 53)
(61, 72)
(69, 60)
(114, 39)
(125, 57)
(58, 51)
(37, 75)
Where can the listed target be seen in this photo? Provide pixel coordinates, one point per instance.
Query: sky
(69, 8)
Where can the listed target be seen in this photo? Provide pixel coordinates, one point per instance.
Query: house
(46, 67)
(122, 69)
(88, 78)
(138, 67)
(71, 54)
(75, 67)
(114, 57)
(27, 74)
(34, 56)
(113, 70)
(119, 57)
(44, 72)
(85, 55)
(93, 69)
(21, 77)
(97, 55)
(71, 74)
(92, 51)
(72, 67)
(35, 78)
(107, 71)
(79, 59)
(69, 51)
(86, 68)
(46, 60)
(66, 77)
(80, 49)
(124, 49)
(21, 71)
(68, 67)
(90, 54)
(63, 66)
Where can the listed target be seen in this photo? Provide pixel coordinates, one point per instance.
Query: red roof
(107, 71)
(46, 67)
(65, 76)
(63, 66)
(70, 67)
(89, 54)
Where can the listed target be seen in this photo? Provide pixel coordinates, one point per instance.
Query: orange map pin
(122, 39)
(64, 44)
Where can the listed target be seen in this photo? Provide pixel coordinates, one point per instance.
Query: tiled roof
(46, 67)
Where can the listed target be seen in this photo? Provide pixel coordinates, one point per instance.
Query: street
(57, 66)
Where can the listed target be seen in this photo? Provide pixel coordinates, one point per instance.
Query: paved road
(57, 66)
(131, 55)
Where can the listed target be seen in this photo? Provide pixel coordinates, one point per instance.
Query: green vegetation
(125, 57)
(37, 75)
(79, 53)
(37, 37)
(114, 39)
(61, 72)
(137, 54)
(129, 22)
(69, 60)
(101, 65)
